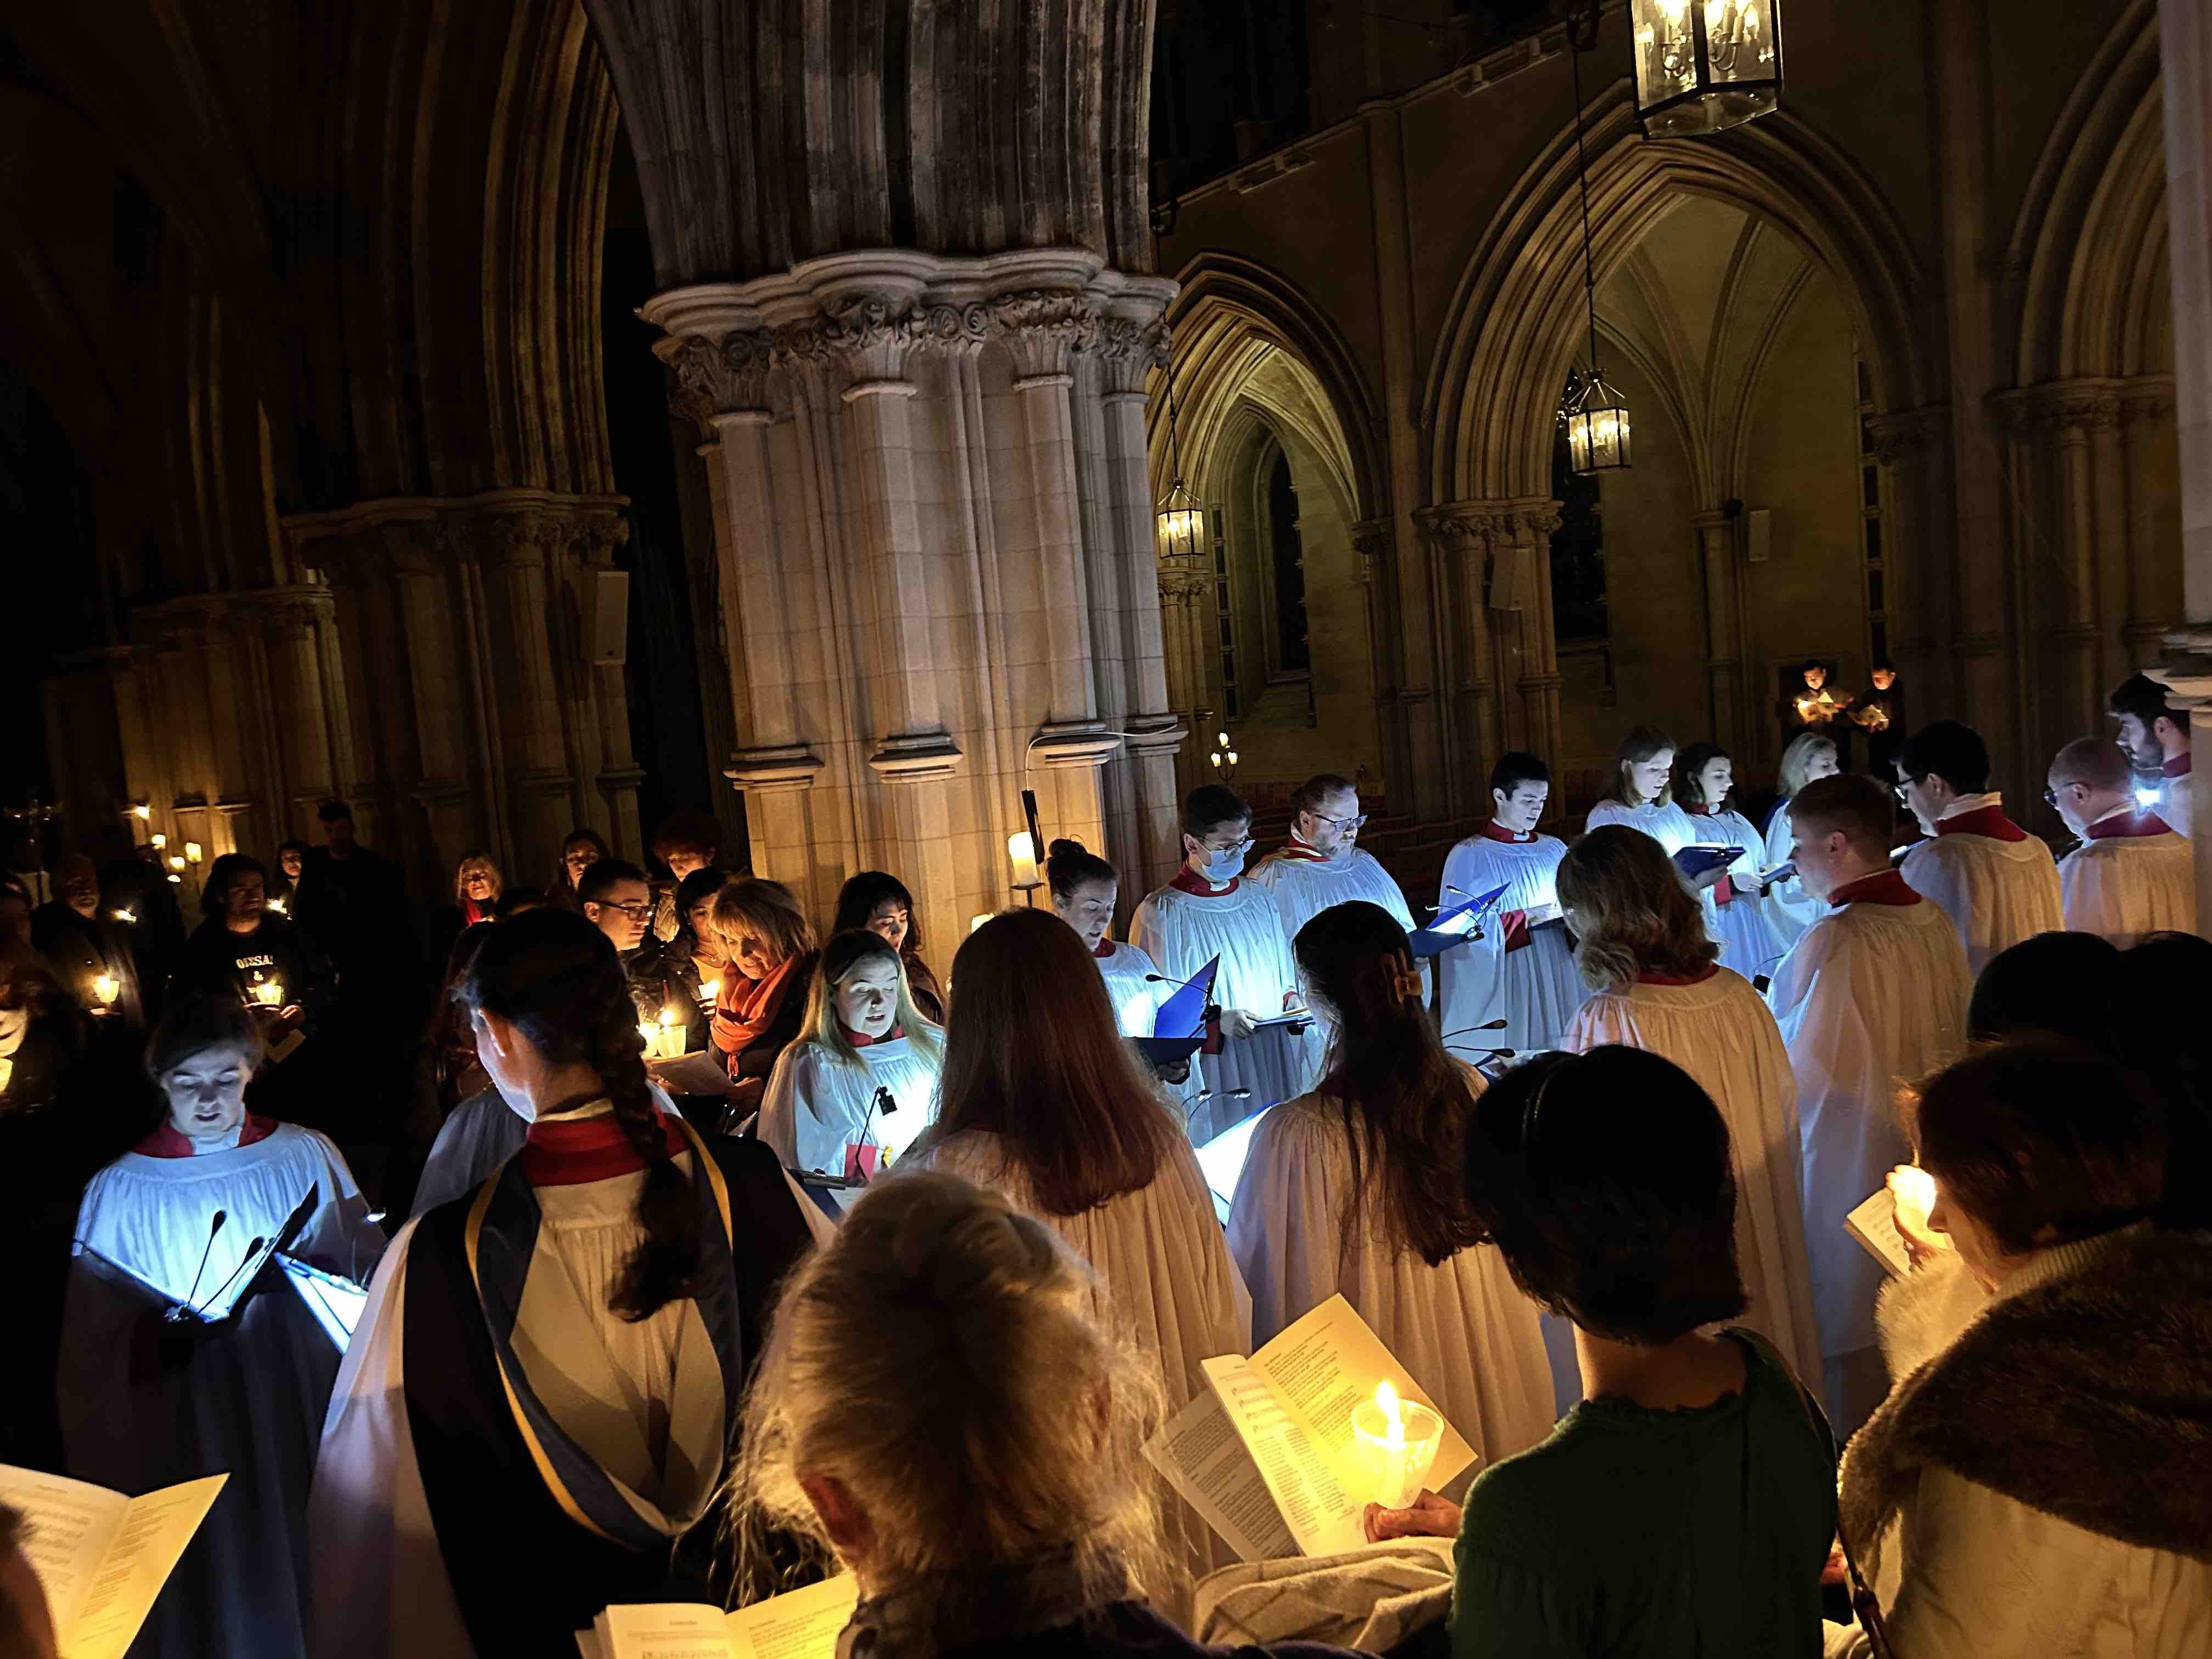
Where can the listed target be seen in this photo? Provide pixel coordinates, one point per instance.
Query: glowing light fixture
(1703, 66)
(1597, 416)
(1181, 520)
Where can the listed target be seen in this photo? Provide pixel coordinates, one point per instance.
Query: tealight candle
(107, 987)
(269, 993)
(1394, 1444)
(157, 841)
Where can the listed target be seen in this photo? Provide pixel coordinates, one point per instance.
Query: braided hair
(556, 978)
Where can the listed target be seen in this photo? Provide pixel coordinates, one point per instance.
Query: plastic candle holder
(269, 993)
(1394, 1446)
(107, 987)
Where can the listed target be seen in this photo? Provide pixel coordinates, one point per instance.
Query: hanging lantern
(1597, 427)
(1703, 66)
(1182, 522)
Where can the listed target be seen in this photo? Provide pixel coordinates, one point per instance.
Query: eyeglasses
(635, 912)
(1902, 787)
(1233, 846)
(1342, 823)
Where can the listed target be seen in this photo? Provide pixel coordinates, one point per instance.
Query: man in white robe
(2132, 875)
(1209, 910)
(2156, 739)
(1998, 883)
(1522, 971)
(1873, 997)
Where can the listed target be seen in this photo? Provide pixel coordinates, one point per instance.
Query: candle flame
(668, 1018)
(175, 863)
(1386, 1399)
(157, 841)
(107, 987)
(269, 993)
(1915, 1188)
(277, 905)
(144, 813)
(709, 989)
(650, 1033)
(125, 915)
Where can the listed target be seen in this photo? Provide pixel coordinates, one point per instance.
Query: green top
(1675, 1534)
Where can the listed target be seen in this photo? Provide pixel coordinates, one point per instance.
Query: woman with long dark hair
(1355, 1188)
(881, 903)
(548, 1367)
(1735, 910)
(578, 853)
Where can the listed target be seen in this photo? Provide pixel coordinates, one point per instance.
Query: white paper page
(140, 1557)
(1301, 1476)
(1203, 1460)
(706, 1072)
(1327, 1362)
(661, 1630)
(1874, 1224)
(800, 1624)
(71, 1524)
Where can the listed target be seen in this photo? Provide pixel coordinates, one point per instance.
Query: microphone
(215, 1295)
(1497, 1025)
(214, 1227)
(1163, 979)
(880, 1102)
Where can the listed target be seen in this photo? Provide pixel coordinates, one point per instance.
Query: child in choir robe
(2156, 737)
(1789, 908)
(1043, 1101)
(881, 903)
(1207, 911)
(1083, 889)
(534, 1415)
(147, 1401)
(1642, 948)
(1356, 1188)
(862, 1084)
(1521, 970)
(1875, 995)
(1998, 883)
(1735, 906)
(762, 1010)
(2132, 875)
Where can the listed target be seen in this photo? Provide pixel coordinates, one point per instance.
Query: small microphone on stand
(178, 1315)
(214, 1227)
(881, 1101)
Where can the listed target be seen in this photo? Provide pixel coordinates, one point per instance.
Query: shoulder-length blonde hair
(1641, 743)
(1630, 911)
(1033, 1054)
(767, 910)
(939, 1359)
(1797, 760)
(471, 862)
(842, 955)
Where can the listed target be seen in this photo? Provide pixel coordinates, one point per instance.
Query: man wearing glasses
(618, 901)
(1998, 883)
(1323, 865)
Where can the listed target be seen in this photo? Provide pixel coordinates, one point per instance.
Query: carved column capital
(717, 378)
(1128, 349)
(2063, 412)
(1906, 433)
(1042, 328)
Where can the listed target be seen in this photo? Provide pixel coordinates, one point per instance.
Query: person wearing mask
(689, 840)
(2035, 1485)
(1085, 889)
(851, 1095)
(262, 962)
(880, 902)
(578, 853)
(170, 1223)
(761, 1010)
(1323, 863)
(1734, 905)
(1042, 1103)
(2132, 875)
(1998, 883)
(1208, 911)
(1789, 908)
(1688, 1505)
(1355, 1190)
(1643, 948)
(1876, 992)
(2156, 739)
(549, 1367)
(1520, 971)
(86, 949)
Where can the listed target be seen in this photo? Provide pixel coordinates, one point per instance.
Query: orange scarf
(747, 1007)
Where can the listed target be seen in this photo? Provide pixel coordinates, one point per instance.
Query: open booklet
(1874, 1224)
(102, 1558)
(1268, 1456)
(801, 1623)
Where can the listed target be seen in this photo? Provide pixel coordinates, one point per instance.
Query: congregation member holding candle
(88, 950)
(266, 962)
(581, 850)
(1688, 1504)
(1789, 908)
(1355, 1188)
(770, 947)
(1041, 1101)
(853, 1092)
(1734, 906)
(693, 959)
(2132, 876)
(284, 877)
(533, 1418)
(688, 840)
(1998, 883)
(1642, 948)
(616, 899)
(1085, 889)
(881, 903)
(43, 1033)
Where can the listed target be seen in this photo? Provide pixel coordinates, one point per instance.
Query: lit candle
(1394, 1443)
(651, 1033)
(269, 993)
(1913, 1190)
(670, 1035)
(125, 915)
(107, 987)
(176, 878)
(710, 990)
(1023, 851)
(175, 864)
(277, 905)
(142, 813)
(191, 852)
(157, 841)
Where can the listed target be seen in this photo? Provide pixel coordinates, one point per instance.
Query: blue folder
(1456, 926)
(1179, 1025)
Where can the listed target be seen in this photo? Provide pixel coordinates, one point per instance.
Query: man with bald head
(2132, 875)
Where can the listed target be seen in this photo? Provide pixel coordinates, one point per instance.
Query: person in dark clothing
(242, 951)
(352, 903)
(285, 879)
(771, 949)
(87, 950)
(880, 902)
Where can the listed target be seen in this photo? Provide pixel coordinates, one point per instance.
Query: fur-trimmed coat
(2042, 1486)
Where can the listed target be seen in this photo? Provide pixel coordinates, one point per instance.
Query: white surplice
(1997, 892)
(1535, 988)
(819, 1104)
(1465, 1332)
(1304, 887)
(1668, 825)
(1789, 908)
(1874, 998)
(2124, 888)
(1721, 1033)
(2176, 804)
(1129, 987)
(1748, 940)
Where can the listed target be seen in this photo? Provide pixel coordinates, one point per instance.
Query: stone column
(1457, 536)
(1726, 702)
(1913, 444)
(1374, 545)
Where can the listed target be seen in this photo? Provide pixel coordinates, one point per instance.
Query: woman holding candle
(862, 1084)
(770, 947)
(694, 960)
(285, 879)
(1084, 888)
(1735, 911)
(1354, 1188)
(578, 853)
(881, 903)
(1789, 908)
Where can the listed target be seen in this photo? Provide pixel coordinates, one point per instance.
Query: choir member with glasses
(1734, 905)
(2132, 876)
(2156, 737)
(1998, 883)
(1323, 863)
(1811, 755)
(881, 903)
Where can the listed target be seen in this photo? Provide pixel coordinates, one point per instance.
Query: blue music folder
(1179, 1023)
(1698, 860)
(1454, 926)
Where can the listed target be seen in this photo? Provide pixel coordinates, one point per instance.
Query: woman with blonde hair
(1789, 908)
(476, 886)
(1043, 1101)
(1659, 986)
(762, 1007)
(861, 1084)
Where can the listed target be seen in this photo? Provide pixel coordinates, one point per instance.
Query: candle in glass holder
(1023, 851)
(107, 987)
(277, 905)
(710, 990)
(157, 841)
(670, 1035)
(193, 854)
(1394, 1444)
(269, 993)
(176, 864)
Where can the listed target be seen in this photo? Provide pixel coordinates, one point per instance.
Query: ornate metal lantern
(1597, 427)
(1705, 66)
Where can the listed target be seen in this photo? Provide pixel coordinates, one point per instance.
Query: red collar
(1301, 851)
(2126, 826)
(1883, 887)
(1710, 970)
(165, 1142)
(1185, 882)
(860, 1041)
(1695, 811)
(1103, 950)
(2176, 768)
(1989, 821)
(1510, 837)
(578, 1149)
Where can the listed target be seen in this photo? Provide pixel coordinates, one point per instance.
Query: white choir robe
(818, 1104)
(1789, 908)
(1873, 998)
(2175, 801)
(1472, 1341)
(1165, 1280)
(1996, 892)
(1525, 977)
(1135, 996)
(1182, 932)
(1748, 940)
(1668, 825)
(1303, 886)
(2126, 886)
(1721, 1033)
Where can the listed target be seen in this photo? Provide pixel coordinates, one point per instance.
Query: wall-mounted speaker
(606, 620)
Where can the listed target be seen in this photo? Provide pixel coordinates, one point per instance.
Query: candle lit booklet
(102, 1558)
(1269, 1456)
(801, 1623)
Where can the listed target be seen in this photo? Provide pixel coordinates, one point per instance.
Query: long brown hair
(1642, 742)
(1630, 911)
(1406, 1102)
(1033, 1054)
